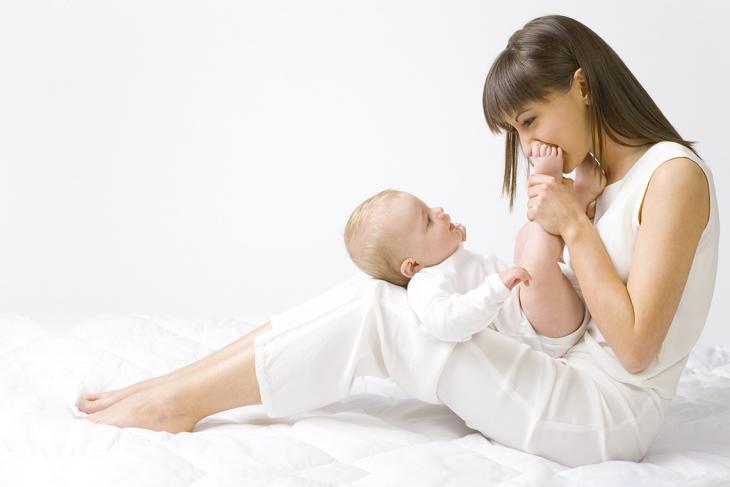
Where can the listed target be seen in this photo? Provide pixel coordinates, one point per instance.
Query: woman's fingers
(539, 179)
(536, 190)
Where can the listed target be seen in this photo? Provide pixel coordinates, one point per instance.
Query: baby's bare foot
(547, 159)
(92, 403)
(152, 408)
(589, 181)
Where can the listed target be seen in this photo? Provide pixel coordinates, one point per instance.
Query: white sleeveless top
(617, 223)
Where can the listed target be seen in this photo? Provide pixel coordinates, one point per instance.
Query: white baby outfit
(577, 409)
(464, 294)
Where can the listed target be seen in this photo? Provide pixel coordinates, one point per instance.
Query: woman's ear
(580, 82)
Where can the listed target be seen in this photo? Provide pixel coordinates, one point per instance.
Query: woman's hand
(552, 203)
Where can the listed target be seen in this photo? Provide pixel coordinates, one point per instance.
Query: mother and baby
(573, 355)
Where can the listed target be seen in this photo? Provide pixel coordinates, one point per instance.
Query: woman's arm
(634, 318)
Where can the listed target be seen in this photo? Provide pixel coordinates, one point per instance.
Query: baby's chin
(451, 251)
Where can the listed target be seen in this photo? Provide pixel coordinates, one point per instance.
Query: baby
(395, 236)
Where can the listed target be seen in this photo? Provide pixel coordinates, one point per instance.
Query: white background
(202, 158)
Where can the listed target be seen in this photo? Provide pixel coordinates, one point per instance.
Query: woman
(646, 268)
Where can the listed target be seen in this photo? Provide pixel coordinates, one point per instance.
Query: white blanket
(377, 437)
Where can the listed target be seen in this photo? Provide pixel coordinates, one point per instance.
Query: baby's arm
(455, 317)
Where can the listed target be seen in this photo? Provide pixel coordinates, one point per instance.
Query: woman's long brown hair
(540, 59)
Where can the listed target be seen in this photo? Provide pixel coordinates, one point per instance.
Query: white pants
(565, 409)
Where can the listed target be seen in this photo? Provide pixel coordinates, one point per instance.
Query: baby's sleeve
(452, 316)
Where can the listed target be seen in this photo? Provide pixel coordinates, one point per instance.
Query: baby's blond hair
(370, 242)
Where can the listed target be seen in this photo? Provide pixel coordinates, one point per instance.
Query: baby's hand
(515, 275)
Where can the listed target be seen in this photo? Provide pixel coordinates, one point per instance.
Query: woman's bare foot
(98, 401)
(153, 408)
(222, 380)
(589, 181)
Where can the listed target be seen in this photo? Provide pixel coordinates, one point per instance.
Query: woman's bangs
(509, 86)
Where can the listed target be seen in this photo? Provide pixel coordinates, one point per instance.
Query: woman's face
(563, 120)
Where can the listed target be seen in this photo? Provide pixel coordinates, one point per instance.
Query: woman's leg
(566, 410)
(500, 387)
(176, 401)
(364, 326)
(308, 358)
(91, 403)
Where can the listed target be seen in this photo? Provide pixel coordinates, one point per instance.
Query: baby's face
(426, 232)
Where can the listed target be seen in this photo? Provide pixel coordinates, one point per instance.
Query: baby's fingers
(523, 276)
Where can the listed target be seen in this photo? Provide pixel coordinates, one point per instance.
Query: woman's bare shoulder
(681, 180)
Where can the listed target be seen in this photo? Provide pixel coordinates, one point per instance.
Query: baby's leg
(589, 182)
(550, 303)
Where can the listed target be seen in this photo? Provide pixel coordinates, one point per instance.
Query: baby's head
(393, 234)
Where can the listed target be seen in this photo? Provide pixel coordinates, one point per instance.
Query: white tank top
(617, 223)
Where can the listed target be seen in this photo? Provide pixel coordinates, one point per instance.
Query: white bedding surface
(377, 437)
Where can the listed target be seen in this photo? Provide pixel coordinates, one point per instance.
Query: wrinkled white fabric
(378, 436)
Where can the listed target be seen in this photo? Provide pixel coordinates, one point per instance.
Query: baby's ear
(409, 267)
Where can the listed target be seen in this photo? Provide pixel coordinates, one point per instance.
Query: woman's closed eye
(528, 121)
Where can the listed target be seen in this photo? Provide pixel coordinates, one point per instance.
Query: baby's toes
(535, 149)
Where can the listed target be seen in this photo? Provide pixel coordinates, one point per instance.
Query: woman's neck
(619, 159)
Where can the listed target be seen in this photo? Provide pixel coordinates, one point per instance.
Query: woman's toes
(97, 403)
(88, 397)
(94, 418)
(88, 406)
